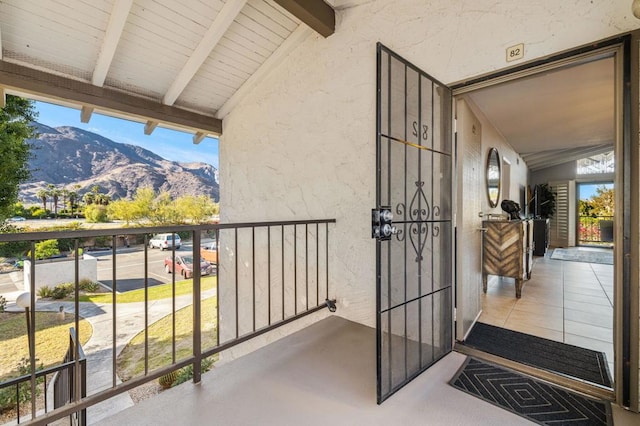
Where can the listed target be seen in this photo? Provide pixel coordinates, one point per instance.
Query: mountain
(66, 156)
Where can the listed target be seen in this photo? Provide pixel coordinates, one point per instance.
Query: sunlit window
(596, 164)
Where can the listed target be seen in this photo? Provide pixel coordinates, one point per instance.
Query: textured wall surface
(302, 144)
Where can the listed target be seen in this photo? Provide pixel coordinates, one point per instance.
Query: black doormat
(541, 353)
(530, 398)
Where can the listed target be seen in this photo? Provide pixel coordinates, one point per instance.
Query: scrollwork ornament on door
(418, 235)
(417, 210)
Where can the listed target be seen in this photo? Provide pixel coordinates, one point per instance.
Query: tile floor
(566, 301)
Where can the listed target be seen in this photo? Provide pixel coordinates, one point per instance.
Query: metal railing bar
(114, 293)
(306, 262)
(407, 302)
(173, 302)
(295, 269)
(146, 307)
(269, 274)
(327, 258)
(217, 233)
(282, 267)
(253, 275)
(39, 373)
(32, 329)
(209, 352)
(101, 396)
(197, 308)
(76, 304)
(317, 264)
(42, 235)
(235, 255)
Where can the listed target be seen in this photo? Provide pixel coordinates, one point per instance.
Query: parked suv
(164, 241)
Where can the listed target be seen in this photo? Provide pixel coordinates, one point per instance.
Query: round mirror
(493, 177)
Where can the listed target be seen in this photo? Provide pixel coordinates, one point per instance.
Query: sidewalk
(98, 350)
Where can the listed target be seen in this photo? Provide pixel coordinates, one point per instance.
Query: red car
(184, 266)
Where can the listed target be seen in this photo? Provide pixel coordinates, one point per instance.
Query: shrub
(45, 291)
(46, 249)
(59, 292)
(3, 304)
(9, 398)
(186, 373)
(96, 213)
(39, 213)
(89, 286)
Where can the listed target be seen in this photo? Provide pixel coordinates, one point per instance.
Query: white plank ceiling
(195, 55)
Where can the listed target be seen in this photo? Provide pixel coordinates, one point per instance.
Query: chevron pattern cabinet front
(506, 251)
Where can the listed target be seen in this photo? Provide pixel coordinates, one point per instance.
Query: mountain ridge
(66, 156)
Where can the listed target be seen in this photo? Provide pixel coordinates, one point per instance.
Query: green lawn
(157, 292)
(130, 362)
(52, 339)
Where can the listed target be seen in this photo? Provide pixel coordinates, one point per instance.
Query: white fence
(53, 272)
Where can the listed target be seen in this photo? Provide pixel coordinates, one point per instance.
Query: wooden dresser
(507, 251)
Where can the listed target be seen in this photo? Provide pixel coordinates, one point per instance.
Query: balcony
(269, 280)
(595, 230)
(158, 313)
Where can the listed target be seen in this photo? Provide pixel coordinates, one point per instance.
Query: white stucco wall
(301, 145)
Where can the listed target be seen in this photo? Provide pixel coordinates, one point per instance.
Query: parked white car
(164, 241)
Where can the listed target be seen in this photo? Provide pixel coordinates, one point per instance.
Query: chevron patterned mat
(530, 398)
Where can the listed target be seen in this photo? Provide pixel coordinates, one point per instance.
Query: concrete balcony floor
(324, 374)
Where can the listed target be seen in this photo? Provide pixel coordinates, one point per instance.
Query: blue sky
(586, 191)
(169, 144)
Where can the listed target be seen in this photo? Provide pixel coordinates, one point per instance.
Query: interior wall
(491, 138)
(302, 144)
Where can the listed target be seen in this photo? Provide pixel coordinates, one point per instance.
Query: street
(129, 269)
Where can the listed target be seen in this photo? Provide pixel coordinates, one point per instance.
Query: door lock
(381, 227)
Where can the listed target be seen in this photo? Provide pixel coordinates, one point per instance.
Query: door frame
(625, 48)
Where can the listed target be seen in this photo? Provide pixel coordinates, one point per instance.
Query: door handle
(381, 227)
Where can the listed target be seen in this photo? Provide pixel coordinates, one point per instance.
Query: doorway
(596, 210)
(514, 99)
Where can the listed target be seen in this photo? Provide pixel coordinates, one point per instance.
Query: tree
(43, 194)
(603, 201)
(15, 130)
(55, 195)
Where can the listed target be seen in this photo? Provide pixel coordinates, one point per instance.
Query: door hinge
(455, 125)
(455, 314)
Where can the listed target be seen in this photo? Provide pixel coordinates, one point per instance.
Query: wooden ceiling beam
(220, 25)
(199, 137)
(85, 113)
(317, 14)
(29, 80)
(149, 127)
(117, 20)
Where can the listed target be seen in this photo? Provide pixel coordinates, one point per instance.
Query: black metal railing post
(197, 308)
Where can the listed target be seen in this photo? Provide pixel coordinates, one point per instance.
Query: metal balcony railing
(63, 379)
(595, 229)
(261, 276)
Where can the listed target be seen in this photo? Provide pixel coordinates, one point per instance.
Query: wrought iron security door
(412, 222)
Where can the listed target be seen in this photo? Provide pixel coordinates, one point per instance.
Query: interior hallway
(570, 302)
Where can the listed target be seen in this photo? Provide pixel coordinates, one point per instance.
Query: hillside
(66, 156)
